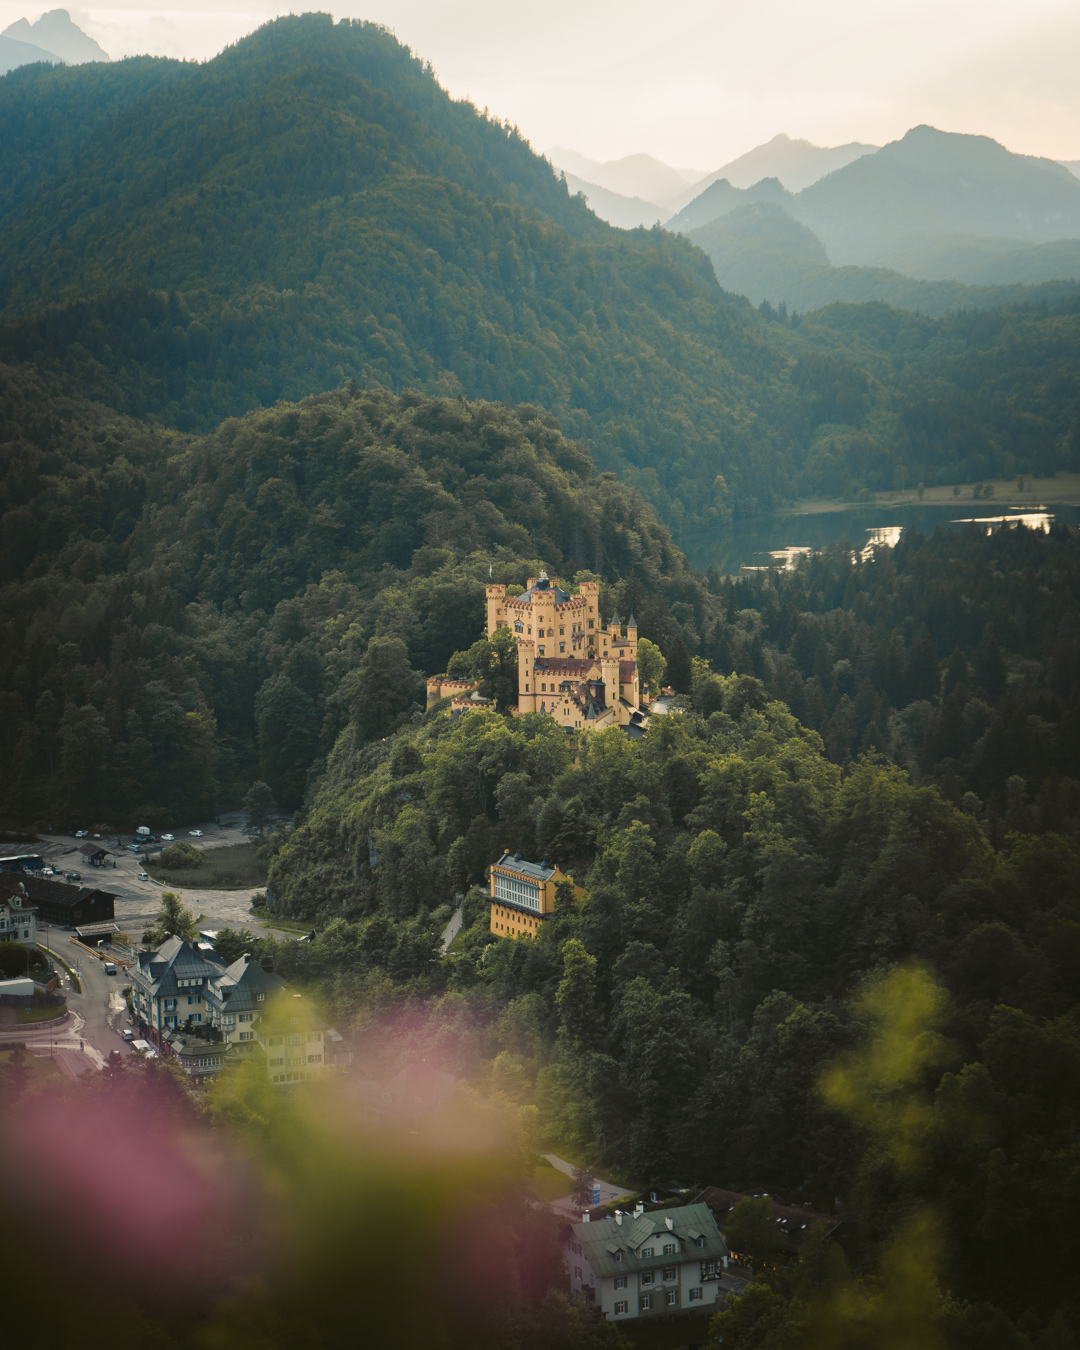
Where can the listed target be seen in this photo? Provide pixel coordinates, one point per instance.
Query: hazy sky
(697, 83)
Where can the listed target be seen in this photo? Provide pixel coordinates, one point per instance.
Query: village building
(188, 1003)
(793, 1222)
(201, 1060)
(523, 895)
(293, 1036)
(94, 854)
(168, 988)
(639, 1266)
(18, 916)
(236, 999)
(59, 902)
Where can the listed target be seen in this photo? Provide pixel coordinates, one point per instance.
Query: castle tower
(496, 607)
(526, 676)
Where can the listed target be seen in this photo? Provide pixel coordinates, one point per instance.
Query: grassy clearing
(572, 1155)
(1062, 489)
(549, 1183)
(42, 1067)
(233, 867)
(269, 920)
(24, 1016)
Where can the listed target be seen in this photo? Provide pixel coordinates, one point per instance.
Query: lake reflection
(779, 541)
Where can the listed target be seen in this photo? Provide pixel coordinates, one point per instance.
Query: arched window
(519, 628)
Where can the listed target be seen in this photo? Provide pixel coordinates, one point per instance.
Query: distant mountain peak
(57, 34)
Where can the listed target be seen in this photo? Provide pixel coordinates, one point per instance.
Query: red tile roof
(562, 665)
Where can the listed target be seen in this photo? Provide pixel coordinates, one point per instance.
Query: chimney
(247, 957)
(639, 1209)
(585, 1217)
(618, 1217)
(670, 1223)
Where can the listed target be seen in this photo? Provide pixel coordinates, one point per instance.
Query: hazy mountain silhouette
(795, 163)
(760, 251)
(720, 198)
(633, 176)
(55, 35)
(934, 182)
(984, 261)
(625, 212)
(14, 53)
(897, 225)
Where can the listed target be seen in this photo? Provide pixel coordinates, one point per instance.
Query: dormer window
(260, 998)
(618, 1256)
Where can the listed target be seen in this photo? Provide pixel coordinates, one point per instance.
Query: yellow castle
(571, 665)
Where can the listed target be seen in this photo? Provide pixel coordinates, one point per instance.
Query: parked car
(144, 876)
(134, 848)
(195, 834)
(81, 834)
(127, 1034)
(167, 838)
(72, 876)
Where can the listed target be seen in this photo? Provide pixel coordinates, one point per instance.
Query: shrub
(178, 856)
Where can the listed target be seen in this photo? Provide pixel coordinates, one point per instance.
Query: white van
(110, 967)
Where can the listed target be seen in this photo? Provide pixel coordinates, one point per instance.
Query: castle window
(562, 646)
(562, 632)
(541, 649)
(590, 623)
(518, 628)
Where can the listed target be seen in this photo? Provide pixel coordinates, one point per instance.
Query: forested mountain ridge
(187, 242)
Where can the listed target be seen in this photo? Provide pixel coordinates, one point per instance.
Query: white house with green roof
(639, 1265)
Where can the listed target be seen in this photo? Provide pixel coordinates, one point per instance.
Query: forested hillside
(185, 242)
(189, 613)
(739, 888)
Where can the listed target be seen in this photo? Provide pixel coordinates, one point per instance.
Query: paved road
(453, 928)
(98, 1015)
(608, 1189)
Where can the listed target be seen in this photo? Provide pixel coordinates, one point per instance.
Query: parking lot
(137, 902)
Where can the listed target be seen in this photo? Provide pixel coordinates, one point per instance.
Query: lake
(779, 540)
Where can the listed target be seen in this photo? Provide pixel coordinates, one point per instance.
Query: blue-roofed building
(523, 894)
(169, 987)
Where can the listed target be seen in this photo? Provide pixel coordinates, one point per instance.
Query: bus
(22, 862)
